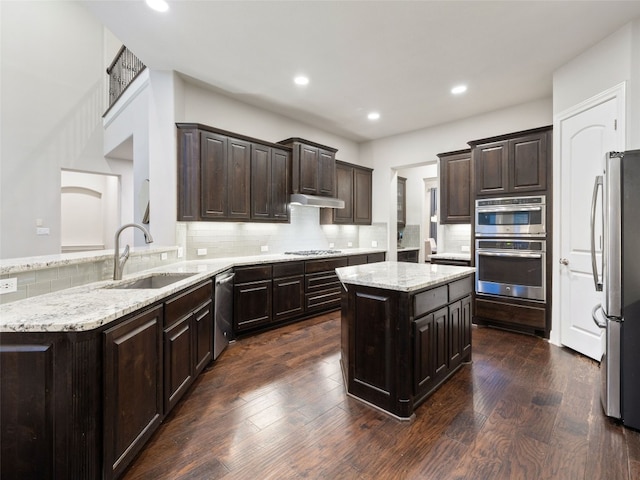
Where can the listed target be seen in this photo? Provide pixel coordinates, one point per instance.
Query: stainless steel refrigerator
(617, 191)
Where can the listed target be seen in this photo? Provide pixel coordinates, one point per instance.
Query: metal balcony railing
(122, 71)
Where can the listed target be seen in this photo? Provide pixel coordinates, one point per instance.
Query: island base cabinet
(398, 347)
(132, 387)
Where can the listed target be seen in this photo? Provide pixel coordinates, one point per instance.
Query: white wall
(50, 115)
(211, 108)
(614, 60)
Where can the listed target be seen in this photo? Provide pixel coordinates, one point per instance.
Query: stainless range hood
(316, 201)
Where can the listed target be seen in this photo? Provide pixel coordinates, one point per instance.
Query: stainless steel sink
(153, 281)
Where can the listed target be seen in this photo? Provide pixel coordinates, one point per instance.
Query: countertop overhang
(401, 276)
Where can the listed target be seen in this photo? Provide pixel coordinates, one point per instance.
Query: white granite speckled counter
(401, 276)
(91, 306)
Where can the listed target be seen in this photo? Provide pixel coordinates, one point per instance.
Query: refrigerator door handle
(594, 202)
(594, 316)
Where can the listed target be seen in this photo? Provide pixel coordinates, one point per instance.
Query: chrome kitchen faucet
(120, 260)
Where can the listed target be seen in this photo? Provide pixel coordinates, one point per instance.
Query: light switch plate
(180, 252)
(264, 248)
(374, 243)
(202, 251)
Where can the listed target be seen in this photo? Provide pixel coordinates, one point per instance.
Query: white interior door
(585, 136)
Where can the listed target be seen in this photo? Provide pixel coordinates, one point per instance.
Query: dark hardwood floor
(274, 407)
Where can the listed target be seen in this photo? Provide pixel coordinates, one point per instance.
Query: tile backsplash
(39, 281)
(455, 236)
(231, 239)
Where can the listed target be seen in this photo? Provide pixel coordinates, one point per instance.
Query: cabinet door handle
(564, 261)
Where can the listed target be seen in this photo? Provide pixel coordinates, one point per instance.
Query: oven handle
(509, 209)
(520, 255)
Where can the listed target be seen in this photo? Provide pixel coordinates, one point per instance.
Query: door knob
(564, 261)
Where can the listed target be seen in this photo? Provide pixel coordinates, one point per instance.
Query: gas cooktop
(313, 252)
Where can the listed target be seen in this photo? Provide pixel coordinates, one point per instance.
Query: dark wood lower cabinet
(82, 404)
(188, 340)
(288, 297)
(527, 317)
(133, 405)
(270, 295)
(252, 304)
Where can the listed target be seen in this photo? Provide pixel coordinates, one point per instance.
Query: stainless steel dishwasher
(223, 312)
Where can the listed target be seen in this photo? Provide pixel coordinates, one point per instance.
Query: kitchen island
(406, 328)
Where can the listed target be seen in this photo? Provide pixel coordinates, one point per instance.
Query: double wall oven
(510, 247)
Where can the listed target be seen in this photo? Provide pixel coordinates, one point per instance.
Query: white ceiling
(400, 58)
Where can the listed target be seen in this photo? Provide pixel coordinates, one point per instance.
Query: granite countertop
(96, 304)
(407, 249)
(24, 264)
(401, 276)
(452, 256)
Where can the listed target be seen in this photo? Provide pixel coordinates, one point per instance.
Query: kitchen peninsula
(406, 328)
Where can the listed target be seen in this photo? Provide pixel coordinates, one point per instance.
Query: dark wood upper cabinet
(402, 202)
(512, 164)
(529, 163)
(225, 171)
(230, 177)
(353, 186)
(362, 181)
(455, 187)
(238, 180)
(269, 183)
(313, 167)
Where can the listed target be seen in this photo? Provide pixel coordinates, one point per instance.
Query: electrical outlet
(8, 285)
(164, 256)
(331, 244)
(264, 248)
(349, 244)
(374, 243)
(464, 248)
(202, 251)
(180, 252)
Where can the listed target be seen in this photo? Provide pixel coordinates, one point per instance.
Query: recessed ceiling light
(301, 80)
(373, 116)
(458, 89)
(158, 5)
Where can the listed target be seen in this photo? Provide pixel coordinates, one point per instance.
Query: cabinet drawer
(253, 274)
(321, 281)
(430, 300)
(509, 313)
(185, 302)
(325, 264)
(325, 300)
(288, 269)
(460, 288)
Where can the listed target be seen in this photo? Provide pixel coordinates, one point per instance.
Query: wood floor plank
(274, 406)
